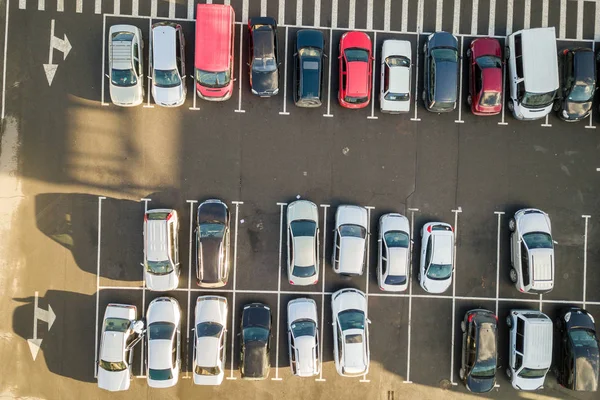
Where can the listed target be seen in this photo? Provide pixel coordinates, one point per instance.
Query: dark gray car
(578, 83)
(212, 244)
(256, 340)
(308, 68)
(264, 60)
(479, 350)
(441, 72)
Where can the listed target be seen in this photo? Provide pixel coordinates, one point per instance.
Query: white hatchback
(164, 342)
(437, 252)
(350, 240)
(303, 243)
(210, 337)
(303, 337)
(168, 64)
(393, 267)
(396, 65)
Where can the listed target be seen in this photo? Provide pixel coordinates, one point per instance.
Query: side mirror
(107, 76)
(368, 321)
(141, 76)
(138, 327)
(234, 79)
(142, 264)
(555, 242)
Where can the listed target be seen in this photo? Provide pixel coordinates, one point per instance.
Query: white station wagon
(125, 65)
(395, 76)
(161, 249)
(303, 337)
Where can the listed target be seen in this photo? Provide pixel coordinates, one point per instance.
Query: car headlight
(565, 114)
(567, 317)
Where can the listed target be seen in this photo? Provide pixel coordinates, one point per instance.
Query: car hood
(586, 369)
(579, 319)
(443, 39)
(486, 46)
(358, 79)
(302, 210)
(528, 384)
(437, 286)
(265, 82)
(162, 283)
(168, 96)
(348, 300)
(351, 215)
(307, 364)
(211, 310)
(398, 259)
(301, 310)
(478, 385)
(256, 360)
(211, 212)
(533, 222)
(352, 255)
(394, 222)
(113, 381)
(577, 110)
(209, 270)
(126, 96)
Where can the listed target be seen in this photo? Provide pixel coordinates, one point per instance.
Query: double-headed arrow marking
(59, 44)
(47, 316)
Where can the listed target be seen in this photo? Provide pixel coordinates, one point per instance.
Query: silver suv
(161, 249)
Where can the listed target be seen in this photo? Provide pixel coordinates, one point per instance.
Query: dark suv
(479, 350)
(441, 72)
(576, 366)
(578, 82)
(308, 68)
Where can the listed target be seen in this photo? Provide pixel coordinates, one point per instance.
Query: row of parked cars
(539, 81)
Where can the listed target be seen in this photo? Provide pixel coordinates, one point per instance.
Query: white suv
(161, 249)
(168, 64)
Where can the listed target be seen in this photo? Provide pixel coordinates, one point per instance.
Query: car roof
(492, 79)
(304, 251)
(213, 36)
(159, 354)
(163, 47)
(264, 42)
(358, 79)
(397, 258)
(539, 49)
(399, 79)
(584, 67)
(442, 247)
(113, 346)
(352, 251)
(446, 79)
(310, 73)
(122, 37)
(487, 341)
(256, 314)
(157, 240)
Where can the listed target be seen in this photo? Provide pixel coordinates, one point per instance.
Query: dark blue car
(308, 68)
(441, 72)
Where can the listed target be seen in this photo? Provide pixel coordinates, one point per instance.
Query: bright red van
(215, 27)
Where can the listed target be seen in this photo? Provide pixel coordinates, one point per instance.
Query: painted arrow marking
(59, 44)
(47, 316)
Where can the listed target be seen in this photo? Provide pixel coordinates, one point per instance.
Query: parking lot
(90, 169)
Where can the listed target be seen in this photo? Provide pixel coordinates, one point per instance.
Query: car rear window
(157, 215)
(395, 280)
(160, 374)
(389, 96)
(116, 325)
(356, 100)
(304, 272)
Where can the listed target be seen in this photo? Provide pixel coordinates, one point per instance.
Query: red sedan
(356, 69)
(485, 76)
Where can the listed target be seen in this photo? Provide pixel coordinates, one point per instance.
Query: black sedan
(578, 82)
(264, 61)
(256, 337)
(479, 350)
(212, 244)
(576, 366)
(441, 72)
(308, 68)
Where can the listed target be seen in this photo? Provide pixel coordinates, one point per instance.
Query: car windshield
(264, 64)
(538, 240)
(213, 79)
(159, 267)
(356, 55)
(113, 366)
(397, 61)
(303, 228)
(209, 329)
(484, 370)
(116, 324)
(439, 271)
(444, 55)
(581, 93)
(529, 373)
(207, 371)
(352, 319)
(304, 271)
(160, 374)
(396, 239)
(389, 96)
(212, 231)
(490, 99)
(256, 333)
(349, 230)
(356, 100)
(583, 338)
(488, 62)
(166, 78)
(537, 99)
(161, 330)
(123, 77)
(395, 280)
(304, 327)
(309, 52)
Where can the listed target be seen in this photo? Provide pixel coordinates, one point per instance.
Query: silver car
(168, 64)
(125, 65)
(394, 243)
(120, 333)
(164, 342)
(349, 240)
(210, 340)
(303, 337)
(303, 243)
(161, 249)
(437, 257)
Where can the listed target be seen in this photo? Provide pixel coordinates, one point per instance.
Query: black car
(256, 336)
(578, 82)
(441, 72)
(212, 244)
(308, 68)
(479, 350)
(576, 366)
(264, 61)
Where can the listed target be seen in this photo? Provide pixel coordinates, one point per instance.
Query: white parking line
(351, 14)
(334, 10)
(143, 294)
(4, 64)
(373, 96)
(135, 7)
(98, 6)
(263, 8)
(492, 19)
(194, 107)
(367, 272)
(499, 214)
(527, 15)
(102, 102)
(235, 246)
(149, 76)
(503, 122)
(22, 4)
(245, 12)
(580, 20)
(460, 103)
(317, 14)
(324, 246)
(154, 8)
(239, 109)
(41, 5)
(281, 13)
(190, 9)
(544, 13)
(474, 17)
(509, 16)
(387, 7)
(281, 206)
(456, 212)
(285, 81)
(191, 240)
(171, 9)
(416, 95)
(298, 12)
(456, 19)
(439, 12)
(412, 235)
(546, 124)
(100, 198)
(117, 7)
(563, 19)
(404, 26)
(369, 14)
(60, 5)
(585, 246)
(597, 23)
(329, 76)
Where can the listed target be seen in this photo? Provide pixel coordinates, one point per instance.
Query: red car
(485, 76)
(356, 69)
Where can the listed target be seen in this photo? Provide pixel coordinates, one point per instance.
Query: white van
(533, 72)
(530, 348)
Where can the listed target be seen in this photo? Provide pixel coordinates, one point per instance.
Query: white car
(125, 65)
(120, 333)
(350, 332)
(395, 76)
(168, 64)
(161, 249)
(393, 267)
(303, 243)
(437, 252)
(349, 240)
(210, 337)
(303, 337)
(163, 364)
